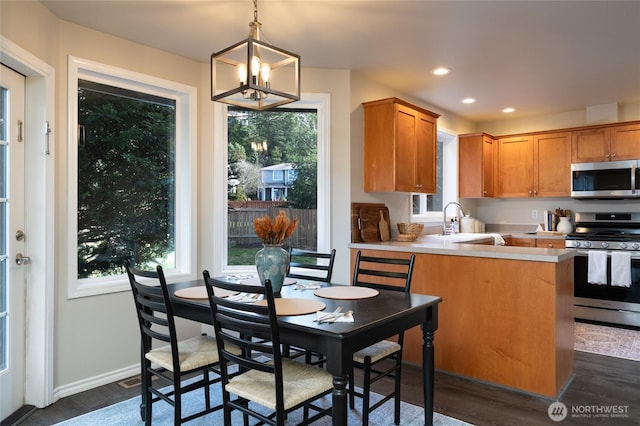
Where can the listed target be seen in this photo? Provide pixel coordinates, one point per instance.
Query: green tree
(126, 182)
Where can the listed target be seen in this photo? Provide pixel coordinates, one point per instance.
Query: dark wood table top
(370, 314)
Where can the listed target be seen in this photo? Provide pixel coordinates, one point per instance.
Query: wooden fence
(242, 234)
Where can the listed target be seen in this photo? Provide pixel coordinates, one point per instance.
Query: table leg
(339, 401)
(428, 372)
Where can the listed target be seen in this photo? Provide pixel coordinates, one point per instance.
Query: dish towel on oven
(621, 269)
(597, 267)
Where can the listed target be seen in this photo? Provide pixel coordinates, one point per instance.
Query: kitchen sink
(460, 237)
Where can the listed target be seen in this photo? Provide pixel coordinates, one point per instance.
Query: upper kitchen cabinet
(399, 147)
(535, 165)
(606, 143)
(475, 165)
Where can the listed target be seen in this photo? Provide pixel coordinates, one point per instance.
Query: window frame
(321, 102)
(449, 179)
(185, 98)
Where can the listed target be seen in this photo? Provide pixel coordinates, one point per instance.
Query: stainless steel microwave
(607, 179)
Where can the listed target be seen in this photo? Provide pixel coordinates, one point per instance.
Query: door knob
(22, 260)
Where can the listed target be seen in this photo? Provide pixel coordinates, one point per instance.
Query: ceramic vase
(565, 225)
(272, 262)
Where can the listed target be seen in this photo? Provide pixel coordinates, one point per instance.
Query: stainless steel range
(607, 300)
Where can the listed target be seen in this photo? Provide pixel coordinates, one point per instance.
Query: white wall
(97, 337)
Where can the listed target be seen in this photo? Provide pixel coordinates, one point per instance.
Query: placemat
(346, 292)
(200, 292)
(256, 281)
(293, 306)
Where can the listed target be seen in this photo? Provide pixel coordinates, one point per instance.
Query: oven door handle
(634, 255)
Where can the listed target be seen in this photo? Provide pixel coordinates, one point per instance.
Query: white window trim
(449, 178)
(322, 103)
(186, 171)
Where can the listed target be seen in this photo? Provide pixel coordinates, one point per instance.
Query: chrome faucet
(444, 216)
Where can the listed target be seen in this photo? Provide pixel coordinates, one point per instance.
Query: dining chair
(382, 359)
(311, 265)
(267, 385)
(165, 357)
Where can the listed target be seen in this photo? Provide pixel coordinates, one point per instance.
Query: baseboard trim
(96, 381)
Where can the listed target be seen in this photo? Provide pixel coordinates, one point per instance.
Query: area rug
(127, 413)
(610, 341)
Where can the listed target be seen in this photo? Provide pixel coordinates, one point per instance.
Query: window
(290, 154)
(428, 207)
(278, 176)
(131, 165)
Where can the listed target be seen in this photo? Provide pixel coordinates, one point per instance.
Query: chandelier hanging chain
(255, 10)
(254, 63)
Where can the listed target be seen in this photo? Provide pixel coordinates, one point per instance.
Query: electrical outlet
(534, 214)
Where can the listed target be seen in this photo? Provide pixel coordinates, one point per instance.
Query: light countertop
(470, 245)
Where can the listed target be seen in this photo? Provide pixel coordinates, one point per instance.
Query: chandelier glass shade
(254, 74)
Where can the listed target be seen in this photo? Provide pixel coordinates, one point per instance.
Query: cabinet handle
(530, 192)
(613, 155)
(550, 245)
(606, 156)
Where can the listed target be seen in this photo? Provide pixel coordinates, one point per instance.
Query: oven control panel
(603, 245)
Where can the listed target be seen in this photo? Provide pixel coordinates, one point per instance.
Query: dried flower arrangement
(275, 231)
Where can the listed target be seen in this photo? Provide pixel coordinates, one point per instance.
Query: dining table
(375, 318)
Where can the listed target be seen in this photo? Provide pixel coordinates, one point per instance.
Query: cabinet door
(552, 165)
(521, 242)
(514, 168)
(625, 142)
(425, 154)
(405, 158)
(589, 145)
(487, 166)
(475, 166)
(550, 243)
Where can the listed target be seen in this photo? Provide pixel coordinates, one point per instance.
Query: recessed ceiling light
(508, 110)
(441, 71)
(468, 100)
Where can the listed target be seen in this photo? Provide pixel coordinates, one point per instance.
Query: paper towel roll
(467, 225)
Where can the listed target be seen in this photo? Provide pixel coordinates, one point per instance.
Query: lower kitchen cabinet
(503, 321)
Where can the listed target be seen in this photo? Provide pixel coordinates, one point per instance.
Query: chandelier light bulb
(265, 73)
(255, 66)
(242, 74)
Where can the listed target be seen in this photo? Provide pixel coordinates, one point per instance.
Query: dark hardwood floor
(599, 382)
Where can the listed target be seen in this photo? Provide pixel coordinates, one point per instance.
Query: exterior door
(12, 275)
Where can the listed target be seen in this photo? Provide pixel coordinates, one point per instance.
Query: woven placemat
(293, 306)
(346, 292)
(200, 292)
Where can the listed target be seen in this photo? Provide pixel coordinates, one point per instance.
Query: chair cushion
(193, 353)
(300, 382)
(377, 351)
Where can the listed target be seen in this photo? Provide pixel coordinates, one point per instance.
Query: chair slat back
(251, 327)
(383, 273)
(320, 265)
(153, 307)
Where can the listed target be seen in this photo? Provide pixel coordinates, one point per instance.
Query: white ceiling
(540, 57)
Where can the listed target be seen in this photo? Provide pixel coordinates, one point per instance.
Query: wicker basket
(410, 228)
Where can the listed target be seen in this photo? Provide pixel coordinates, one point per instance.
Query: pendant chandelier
(253, 74)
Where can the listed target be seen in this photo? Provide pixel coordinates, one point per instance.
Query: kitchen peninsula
(506, 315)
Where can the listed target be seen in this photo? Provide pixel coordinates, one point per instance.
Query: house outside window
(305, 146)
